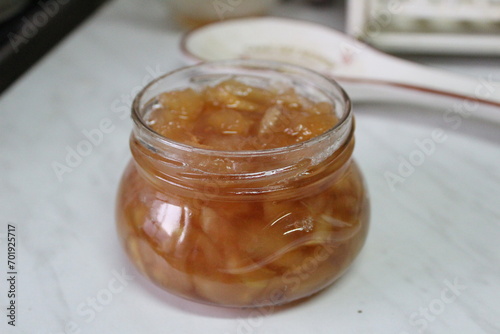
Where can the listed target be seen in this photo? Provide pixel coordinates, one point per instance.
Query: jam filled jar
(242, 190)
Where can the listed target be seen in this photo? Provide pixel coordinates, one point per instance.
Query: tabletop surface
(430, 265)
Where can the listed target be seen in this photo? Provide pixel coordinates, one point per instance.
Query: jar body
(241, 252)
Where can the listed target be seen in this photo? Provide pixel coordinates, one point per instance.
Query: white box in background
(427, 26)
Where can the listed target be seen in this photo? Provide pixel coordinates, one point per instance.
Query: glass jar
(243, 228)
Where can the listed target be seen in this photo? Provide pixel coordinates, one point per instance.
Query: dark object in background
(26, 37)
(10, 8)
(320, 2)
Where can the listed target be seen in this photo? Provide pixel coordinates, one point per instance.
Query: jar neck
(222, 174)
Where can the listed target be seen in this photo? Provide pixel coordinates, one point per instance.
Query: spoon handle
(478, 98)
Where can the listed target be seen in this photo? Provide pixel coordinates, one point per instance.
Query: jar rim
(250, 64)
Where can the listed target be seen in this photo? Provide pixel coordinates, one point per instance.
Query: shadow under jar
(243, 228)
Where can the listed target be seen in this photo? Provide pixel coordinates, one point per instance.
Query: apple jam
(242, 191)
(234, 116)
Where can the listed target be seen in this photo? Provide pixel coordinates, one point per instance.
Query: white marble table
(431, 264)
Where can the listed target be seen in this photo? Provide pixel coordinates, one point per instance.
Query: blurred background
(29, 28)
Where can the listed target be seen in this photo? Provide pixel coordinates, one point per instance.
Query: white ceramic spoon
(365, 73)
